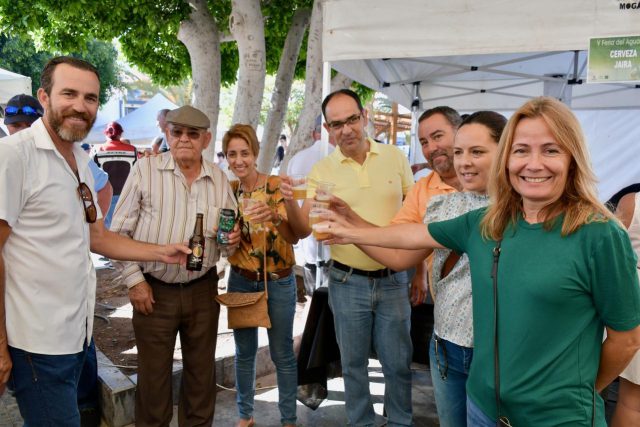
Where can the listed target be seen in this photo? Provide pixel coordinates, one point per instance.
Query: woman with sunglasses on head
(263, 220)
(562, 268)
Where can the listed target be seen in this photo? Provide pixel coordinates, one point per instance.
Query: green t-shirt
(555, 293)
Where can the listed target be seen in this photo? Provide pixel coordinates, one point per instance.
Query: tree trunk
(282, 89)
(200, 35)
(340, 81)
(247, 26)
(370, 127)
(313, 86)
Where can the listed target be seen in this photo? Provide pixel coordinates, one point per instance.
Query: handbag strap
(496, 356)
(264, 261)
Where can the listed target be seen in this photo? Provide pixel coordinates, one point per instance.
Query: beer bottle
(196, 244)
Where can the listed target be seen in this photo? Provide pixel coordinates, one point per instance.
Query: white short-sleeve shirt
(50, 282)
(301, 164)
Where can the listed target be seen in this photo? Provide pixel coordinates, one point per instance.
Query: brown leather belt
(211, 273)
(375, 274)
(256, 276)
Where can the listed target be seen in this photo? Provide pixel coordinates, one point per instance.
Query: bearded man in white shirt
(49, 223)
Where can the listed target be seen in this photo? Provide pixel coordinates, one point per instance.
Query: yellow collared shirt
(374, 190)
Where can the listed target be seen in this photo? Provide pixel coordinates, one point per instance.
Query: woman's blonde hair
(578, 200)
(241, 131)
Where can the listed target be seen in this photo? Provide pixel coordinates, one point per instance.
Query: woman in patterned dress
(267, 238)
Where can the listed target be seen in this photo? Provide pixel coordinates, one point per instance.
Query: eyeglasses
(191, 133)
(338, 125)
(26, 110)
(90, 211)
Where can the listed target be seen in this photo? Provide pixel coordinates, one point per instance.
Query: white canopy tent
(13, 84)
(139, 125)
(493, 54)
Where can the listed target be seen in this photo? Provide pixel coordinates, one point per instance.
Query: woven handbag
(248, 309)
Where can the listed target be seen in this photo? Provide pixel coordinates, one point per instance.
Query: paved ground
(329, 414)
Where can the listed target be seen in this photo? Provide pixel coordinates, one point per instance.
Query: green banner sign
(614, 59)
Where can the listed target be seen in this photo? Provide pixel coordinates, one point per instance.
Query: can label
(226, 221)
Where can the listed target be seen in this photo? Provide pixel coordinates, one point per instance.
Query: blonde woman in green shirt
(565, 270)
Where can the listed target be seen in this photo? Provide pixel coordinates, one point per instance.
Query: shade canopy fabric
(494, 54)
(139, 125)
(473, 55)
(12, 84)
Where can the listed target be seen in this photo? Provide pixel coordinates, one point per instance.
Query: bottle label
(197, 251)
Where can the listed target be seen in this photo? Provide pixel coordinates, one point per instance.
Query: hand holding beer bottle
(196, 244)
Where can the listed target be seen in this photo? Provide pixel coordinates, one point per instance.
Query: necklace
(253, 187)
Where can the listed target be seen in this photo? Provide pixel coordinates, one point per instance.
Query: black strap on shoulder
(496, 356)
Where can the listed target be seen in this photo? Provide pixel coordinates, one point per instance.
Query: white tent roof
(490, 54)
(139, 125)
(13, 84)
(493, 54)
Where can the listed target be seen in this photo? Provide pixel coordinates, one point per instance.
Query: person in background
(20, 113)
(159, 144)
(301, 164)
(280, 150)
(266, 239)
(48, 213)
(627, 412)
(116, 158)
(550, 265)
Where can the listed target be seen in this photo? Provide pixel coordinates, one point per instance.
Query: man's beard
(69, 133)
(443, 167)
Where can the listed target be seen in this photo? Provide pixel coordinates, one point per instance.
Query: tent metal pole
(326, 90)
(415, 108)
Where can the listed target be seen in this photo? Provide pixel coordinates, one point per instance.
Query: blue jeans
(282, 308)
(45, 387)
(373, 313)
(88, 381)
(449, 373)
(477, 418)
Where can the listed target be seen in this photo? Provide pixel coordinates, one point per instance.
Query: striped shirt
(157, 206)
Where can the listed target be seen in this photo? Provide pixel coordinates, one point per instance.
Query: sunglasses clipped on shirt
(90, 211)
(26, 110)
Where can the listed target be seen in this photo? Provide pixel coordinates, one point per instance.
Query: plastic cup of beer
(318, 209)
(299, 183)
(247, 205)
(324, 190)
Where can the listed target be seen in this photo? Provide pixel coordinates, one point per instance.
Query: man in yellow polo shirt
(370, 303)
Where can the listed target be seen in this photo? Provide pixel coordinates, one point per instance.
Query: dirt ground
(113, 335)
